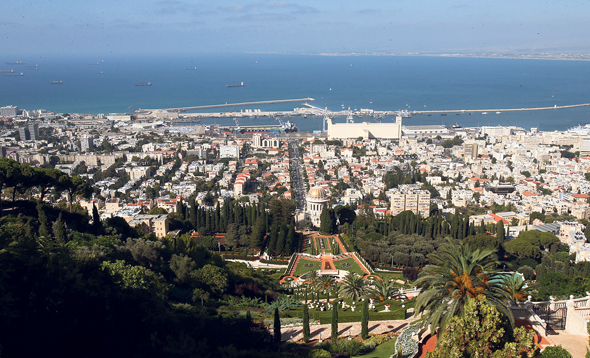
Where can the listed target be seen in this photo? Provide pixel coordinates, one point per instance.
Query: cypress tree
(193, 213)
(97, 224)
(277, 327)
(59, 230)
(335, 321)
(325, 221)
(365, 321)
(43, 222)
(500, 230)
(305, 323)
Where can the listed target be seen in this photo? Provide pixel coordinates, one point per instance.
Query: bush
(555, 352)
(368, 347)
(410, 273)
(320, 353)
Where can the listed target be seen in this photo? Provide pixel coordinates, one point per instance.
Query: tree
(334, 332)
(352, 287)
(326, 221)
(480, 333)
(500, 230)
(96, 223)
(458, 273)
(555, 352)
(305, 323)
(365, 320)
(212, 277)
(383, 289)
(516, 288)
(182, 266)
(43, 221)
(277, 326)
(201, 294)
(59, 230)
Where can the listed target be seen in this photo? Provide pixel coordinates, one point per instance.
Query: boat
(190, 68)
(443, 114)
(585, 129)
(56, 82)
(143, 84)
(6, 71)
(14, 74)
(484, 112)
(98, 73)
(236, 85)
(498, 112)
(456, 126)
(289, 127)
(16, 63)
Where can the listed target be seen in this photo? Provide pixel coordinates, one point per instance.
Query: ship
(456, 126)
(190, 69)
(6, 71)
(14, 74)
(236, 85)
(484, 112)
(585, 129)
(289, 127)
(143, 84)
(56, 82)
(16, 63)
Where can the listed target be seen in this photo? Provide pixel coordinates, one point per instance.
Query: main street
(298, 186)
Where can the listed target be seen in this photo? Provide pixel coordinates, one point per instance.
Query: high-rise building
(2, 152)
(9, 111)
(34, 131)
(471, 150)
(86, 144)
(417, 201)
(24, 133)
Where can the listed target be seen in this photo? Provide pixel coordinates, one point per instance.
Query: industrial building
(365, 130)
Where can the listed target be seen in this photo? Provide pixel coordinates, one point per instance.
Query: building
(33, 131)
(151, 224)
(471, 150)
(137, 173)
(229, 151)
(365, 130)
(24, 133)
(87, 144)
(417, 201)
(9, 111)
(317, 198)
(425, 130)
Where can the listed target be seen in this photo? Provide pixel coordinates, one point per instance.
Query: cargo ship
(190, 68)
(14, 74)
(236, 85)
(143, 84)
(6, 71)
(15, 63)
(56, 82)
(289, 127)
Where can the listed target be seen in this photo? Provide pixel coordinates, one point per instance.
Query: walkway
(344, 329)
(576, 345)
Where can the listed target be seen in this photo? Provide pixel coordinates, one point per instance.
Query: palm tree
(457, 275)
(383, 289)
(516, 288)
(352, 287)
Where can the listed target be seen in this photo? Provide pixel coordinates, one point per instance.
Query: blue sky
(124, 27)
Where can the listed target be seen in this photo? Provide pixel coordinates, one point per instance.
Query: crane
(130, 109)
(349, 117)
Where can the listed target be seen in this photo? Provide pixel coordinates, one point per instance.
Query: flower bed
(405, 341)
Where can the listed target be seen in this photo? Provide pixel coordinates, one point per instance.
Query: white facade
(317, 199)
(229, 151)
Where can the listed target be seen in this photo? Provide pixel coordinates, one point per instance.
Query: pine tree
(365, 321)
(325, 221)
(277, 327)
(305, 323)
(193, 213)
(335, 321)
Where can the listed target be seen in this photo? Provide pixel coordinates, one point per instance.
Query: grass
(354, 267)
(384, 350)
(301, 269)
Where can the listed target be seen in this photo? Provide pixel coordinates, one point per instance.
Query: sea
(108, 84)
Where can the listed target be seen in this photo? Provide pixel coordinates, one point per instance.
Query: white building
(317, 198)
(229, 151)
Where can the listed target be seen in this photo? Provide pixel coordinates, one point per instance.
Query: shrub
(368, 347)
(320, 353)
(555, 352)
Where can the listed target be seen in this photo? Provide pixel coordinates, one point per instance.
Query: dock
(192, 108)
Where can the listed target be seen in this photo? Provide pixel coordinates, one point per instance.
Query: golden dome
(318, 193)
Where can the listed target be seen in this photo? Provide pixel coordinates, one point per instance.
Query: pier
(184, 109)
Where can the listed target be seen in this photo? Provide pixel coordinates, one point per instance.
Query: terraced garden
(349, 264)
(305, 265)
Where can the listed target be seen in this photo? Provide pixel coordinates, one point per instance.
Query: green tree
(500, 231)
(43, 221)
(555, 352)
(305, 323)
(382, 289)
(334, 335)
(326, 221)
(365, 320)
(59, 230)
(352, 287)
(479, 332)
(277, 326)
(212, 277)
(516, 288)
(458, 273)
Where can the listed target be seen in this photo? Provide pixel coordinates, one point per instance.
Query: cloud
(368, 11)
(232, 9)
(267, 16)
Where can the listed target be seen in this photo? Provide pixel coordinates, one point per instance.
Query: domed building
(316, 199)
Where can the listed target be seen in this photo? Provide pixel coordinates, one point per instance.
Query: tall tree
(96, 223)
(334, 335)
(352, 287)
(43, 221)
(59, 230)
(365, 320)
(277, 326)
(305, 323)
(500, 230)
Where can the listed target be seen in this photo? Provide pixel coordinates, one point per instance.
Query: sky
(174, 27)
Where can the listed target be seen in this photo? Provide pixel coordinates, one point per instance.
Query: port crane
(130, 109)
(325, 121)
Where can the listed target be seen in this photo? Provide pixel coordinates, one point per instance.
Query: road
(298, 186)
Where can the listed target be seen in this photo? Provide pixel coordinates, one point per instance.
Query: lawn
(301, 269)
(384, 350)
(349, 265)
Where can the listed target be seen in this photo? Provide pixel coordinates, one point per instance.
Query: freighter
(237, 85)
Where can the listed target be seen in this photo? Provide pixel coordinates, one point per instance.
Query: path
(375, 327)
(576, 345)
